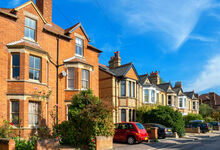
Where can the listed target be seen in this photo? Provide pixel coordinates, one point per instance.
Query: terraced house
(42, 65)
(157, 93)
(119, 85)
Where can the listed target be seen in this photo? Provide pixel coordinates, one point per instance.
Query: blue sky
(178, 38)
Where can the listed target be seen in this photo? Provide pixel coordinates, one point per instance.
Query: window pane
(26, 34)
(26, 21)
(122, 88)
(146, 95)
(37, 63)
(32, 34)
(71, 83)
(15, 106)
(31, 61)
(15, 59)
(37, 75)
(16, 72)
(31, 74)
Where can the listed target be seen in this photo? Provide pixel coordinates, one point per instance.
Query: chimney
(154, 78)
(115, 61)
(45, 7)
(178, 85)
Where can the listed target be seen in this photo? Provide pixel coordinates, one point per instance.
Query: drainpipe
(57, 79)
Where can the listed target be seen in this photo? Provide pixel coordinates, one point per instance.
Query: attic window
(30, 28)
(79, 46)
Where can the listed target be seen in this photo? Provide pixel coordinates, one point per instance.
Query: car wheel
(131, 140)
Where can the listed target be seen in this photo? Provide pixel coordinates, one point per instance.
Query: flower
(57, 105)
(35, 88)
(11, 123)
(93, 141)
(57, 137)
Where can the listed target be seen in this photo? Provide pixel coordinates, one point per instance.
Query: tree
(190, 117)
(205, 110)
(88, 117)
(166, 116)
(216, 116)
(142, 110)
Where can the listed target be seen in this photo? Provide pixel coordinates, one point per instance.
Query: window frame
(34, 114)
(153, 96)
(85, 79)
(35, 69)
(68, 78)
(80, 46)
(133, 89)
(148, 95)
(194, 105)
(169, 100)
(30, 28)
(11, 111)
(12, 66)
(180, 101)
(123, 84)
(129, 89)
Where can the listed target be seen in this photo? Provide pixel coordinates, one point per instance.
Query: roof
(191, 95)
(26, 44)
(143, 78)
(93, 48)
(165, 87)
(76, 60)
(74, 27)
(7, 11)
(106, 69)
(178, 90)
(207, 97)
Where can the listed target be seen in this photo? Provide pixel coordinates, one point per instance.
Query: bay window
(146, 95)
(15, 112)
(122, 87)
(34, 113)
(70, 78)
(152, 96)
(85, 79)
(15, 65)
(34, 68)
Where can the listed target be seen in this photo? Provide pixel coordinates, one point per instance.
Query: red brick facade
(25, 90)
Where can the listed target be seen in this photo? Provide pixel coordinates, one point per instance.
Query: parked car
(215, 125)
(204, 127)
(130, 132)
(162, 130)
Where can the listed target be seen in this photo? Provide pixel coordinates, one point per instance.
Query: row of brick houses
(44, 65)
(127, 91)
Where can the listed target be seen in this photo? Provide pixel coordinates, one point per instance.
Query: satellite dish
(63, 73)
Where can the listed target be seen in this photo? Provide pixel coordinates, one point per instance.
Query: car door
(123, 132)
(117, 132)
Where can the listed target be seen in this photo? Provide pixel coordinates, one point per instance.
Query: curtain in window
(70, 78)
(34, 113)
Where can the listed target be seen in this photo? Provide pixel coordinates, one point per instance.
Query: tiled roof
(76, 60)
(191, 95)
(121, 70)
(143, 78)
(70, 28)
(178, 90)
(106, 69)
(165, 87)
(206, 97)
(27, 44)
(7, 11)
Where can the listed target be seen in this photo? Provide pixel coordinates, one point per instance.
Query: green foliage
(190, 117)
(25, 145)
(142, 110)
(205, 110)
(88, 117)
(216, 116)
(5, 130)
(166, 116)
(209, 119)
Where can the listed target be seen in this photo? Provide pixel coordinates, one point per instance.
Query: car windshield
(160, 126)
(140, 126)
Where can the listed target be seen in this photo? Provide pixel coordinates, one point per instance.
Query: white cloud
(109, 48)
(201, 38)
(209, 77)
(175, 18)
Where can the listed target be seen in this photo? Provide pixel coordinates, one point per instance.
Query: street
(200, 142)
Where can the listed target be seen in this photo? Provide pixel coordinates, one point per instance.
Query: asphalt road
(205, 143)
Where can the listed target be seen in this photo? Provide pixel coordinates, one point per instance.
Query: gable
(131, 74)
(147, 81)
(34, 6)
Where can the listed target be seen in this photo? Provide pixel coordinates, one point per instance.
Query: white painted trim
(30, 15)
(29, 81)
(79, 36)
(14, 97)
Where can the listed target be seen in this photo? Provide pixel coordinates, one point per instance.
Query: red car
(130, 132)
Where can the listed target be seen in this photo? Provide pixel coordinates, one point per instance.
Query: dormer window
(30, 29)
(79, 46)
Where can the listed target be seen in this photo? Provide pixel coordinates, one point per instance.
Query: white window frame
(80, 46)
(36, 114)
(70, 78)
(35, 69)
(124, 84)
(11, 111)
(30, 28)
(150, 89)
(148, 100)
(15, 66)
(85, 78)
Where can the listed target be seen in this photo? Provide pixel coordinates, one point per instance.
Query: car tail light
(207, 125)
(165, 129)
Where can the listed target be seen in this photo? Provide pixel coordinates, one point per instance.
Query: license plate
(169, 130)
(146, 138)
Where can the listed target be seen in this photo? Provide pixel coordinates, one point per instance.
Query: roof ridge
(123, 65)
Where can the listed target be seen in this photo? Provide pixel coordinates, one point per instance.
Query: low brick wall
(192, 130)
(152, 132)
(104, 143)
(48, 144)
(6, 144)
(216, 128)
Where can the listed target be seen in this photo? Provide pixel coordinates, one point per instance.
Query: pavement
(189, 142)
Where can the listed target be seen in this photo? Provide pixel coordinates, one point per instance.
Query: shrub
(166, 116)
(190, 117)
(25, 145)
(216, 116)
(205, 110)
(142, 110)
(88, 117)
(209, 119)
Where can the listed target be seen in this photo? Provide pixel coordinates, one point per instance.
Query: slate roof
(165, 87)
(206, 97)
(191, 94)
(106, 69)
(177, 90)
(143, 78)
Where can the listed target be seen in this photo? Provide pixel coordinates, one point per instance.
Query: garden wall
(104, 143)
(192, 130)
(6, 144)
